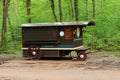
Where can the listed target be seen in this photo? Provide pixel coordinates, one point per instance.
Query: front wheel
(82, 56)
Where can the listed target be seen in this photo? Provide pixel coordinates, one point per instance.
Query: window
(76, 33)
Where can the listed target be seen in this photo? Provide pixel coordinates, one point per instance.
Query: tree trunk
(28, 5)
(76, 10)
(53, 9)
(4, 26)
(72, 9)
(11, 30)
(86, 9)
(60, 10)
(9, 22)
(94, 16)
(101, 1)
(93, 3)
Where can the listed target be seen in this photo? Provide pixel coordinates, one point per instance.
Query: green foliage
(107, 27)
(105, 35)
(117, 53)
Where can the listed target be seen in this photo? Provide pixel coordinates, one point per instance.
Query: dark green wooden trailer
(59, 39)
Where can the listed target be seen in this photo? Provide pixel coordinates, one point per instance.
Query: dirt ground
(96, 67)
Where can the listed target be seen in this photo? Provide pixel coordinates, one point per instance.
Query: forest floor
(96, 67)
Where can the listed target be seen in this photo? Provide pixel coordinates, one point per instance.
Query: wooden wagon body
(57, 39)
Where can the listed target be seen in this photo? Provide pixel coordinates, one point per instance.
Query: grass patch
(117, 53)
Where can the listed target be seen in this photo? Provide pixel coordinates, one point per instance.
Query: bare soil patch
(94, 61)
(107, 66)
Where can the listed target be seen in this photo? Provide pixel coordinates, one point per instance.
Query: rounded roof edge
(79, 23)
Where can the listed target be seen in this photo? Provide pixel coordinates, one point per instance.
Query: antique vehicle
(59, 39)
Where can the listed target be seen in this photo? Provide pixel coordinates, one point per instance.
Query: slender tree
(60, 10)
(101, 2)
(11, 30)
(86, 1)
(28, 6)
(76, 10)
(94, 31)
(93, 3)
(4, 26)
(10, 25)
(53, 9)
(72, 9)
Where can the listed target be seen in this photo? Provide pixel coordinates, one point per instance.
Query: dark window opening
(77, 33)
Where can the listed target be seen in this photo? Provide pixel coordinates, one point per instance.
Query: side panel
(49, 37)
(77, 43)
(78, 37)
(66, 41)
(47, 53)
(39, 36)
(25, 53)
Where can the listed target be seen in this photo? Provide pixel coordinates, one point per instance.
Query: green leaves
(107, 20)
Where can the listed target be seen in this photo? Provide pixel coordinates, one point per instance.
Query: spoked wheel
(34, 52)
(82, 56)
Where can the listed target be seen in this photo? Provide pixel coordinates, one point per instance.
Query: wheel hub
(81, 56)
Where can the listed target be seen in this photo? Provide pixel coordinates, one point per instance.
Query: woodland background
(105, 35)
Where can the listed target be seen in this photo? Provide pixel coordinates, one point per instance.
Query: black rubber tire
(81, 56)
(37, 50)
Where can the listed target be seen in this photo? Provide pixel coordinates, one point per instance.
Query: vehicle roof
(50, 24)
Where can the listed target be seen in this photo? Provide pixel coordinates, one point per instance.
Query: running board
(76, 48)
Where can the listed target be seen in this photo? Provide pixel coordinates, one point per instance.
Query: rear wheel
(82, 56)
(34, 52)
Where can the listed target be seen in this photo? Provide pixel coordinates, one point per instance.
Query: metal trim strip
(79, 47)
